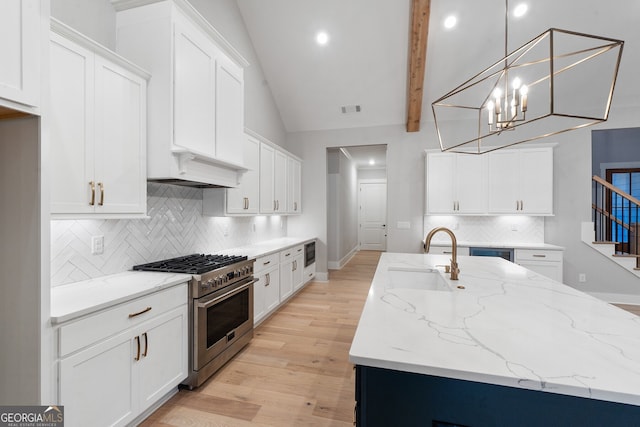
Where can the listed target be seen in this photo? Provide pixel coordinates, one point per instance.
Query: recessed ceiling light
(520, 10)
(322, 38)
(372, 162)
(450, 22)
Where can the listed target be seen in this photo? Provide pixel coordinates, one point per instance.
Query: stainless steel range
(220, 308)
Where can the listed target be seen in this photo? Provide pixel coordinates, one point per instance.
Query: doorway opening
(356, 220)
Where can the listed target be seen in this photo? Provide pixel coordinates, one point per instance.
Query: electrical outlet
(97, 245)
(225, 231)
(582, 278)
(514, 227)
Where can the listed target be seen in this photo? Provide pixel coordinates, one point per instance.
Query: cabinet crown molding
(70, 34)
(188, 9)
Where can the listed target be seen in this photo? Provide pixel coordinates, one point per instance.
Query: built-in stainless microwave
(506, 253)
(309, 253)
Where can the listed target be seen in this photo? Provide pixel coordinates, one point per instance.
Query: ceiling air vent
(349, 109)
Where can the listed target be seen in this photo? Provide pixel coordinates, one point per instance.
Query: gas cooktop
(191, 264)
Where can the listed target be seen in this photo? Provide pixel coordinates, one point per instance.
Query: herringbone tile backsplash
(175, 227)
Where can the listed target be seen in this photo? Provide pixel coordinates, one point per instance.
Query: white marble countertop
(268, 247)
(77, 299)
(534, 246)
(509, 326)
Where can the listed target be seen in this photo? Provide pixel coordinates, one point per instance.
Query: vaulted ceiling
(365, 61)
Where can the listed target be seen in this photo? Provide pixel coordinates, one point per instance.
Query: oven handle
(209, 303)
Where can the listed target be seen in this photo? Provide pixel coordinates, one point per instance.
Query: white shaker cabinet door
(71, 127)
(163, 363)
(20, 51)
(120, 163)
(100, 376)
(229, 111)
(267, 165)
(244, 199)
(294, 184)
(504, 181)
(194, 90)
(440, 186)
(280, 182)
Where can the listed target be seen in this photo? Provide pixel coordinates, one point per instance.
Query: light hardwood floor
(295, 371)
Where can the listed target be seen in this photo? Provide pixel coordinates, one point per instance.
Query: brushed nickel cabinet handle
(101, 187)
(266, 263)
(539, 256)
(138, 352)
(521, 205)
(92, 185)
(274, 205)
(268, 278)
(146, 344)
(140, 312)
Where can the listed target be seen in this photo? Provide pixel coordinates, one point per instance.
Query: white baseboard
(337, 265)
(617, 298)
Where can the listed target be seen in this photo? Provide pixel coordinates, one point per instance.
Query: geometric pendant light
(559, 81)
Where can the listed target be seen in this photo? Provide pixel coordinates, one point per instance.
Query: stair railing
(616, 218)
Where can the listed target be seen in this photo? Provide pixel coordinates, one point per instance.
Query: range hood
(189, 168)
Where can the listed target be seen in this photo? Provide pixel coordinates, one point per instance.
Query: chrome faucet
(454, 244)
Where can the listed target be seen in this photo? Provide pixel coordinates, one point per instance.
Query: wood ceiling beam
(420, 10)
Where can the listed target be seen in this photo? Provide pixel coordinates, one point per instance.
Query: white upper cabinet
(267, 165)
(20, 21)
(294, 193)
(456, 184)
(272, 184)
(229, 110)
(98, 129)
(280, 182)
(196, 96)
(521, 181)
(194, 89)
(244, 199)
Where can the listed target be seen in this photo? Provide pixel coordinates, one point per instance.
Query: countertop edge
(57, 319)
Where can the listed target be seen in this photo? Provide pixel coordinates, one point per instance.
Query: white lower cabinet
(291, 270)
(447, 250)
(124, 370)
(298, 268)
(309, 273)
(545, 262)
(278, 276)
(266, 289)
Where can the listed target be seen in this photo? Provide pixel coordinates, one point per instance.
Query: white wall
(405, 182)
(377, 173)
(342, 208)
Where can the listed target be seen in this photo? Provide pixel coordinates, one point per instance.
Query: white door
(373, 216)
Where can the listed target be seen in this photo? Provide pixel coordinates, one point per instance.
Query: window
(624, 214)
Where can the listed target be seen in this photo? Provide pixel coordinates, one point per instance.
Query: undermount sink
(428, 279)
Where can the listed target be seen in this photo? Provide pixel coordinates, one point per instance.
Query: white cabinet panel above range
(196, 96)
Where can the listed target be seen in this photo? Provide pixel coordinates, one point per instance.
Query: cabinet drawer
(447, 250)
(103, 324)
(538, 255)
(291, 253)
(266, 262)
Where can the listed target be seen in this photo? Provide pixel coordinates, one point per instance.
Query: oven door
(220, 319)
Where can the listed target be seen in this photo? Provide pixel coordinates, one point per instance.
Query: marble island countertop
(509, 326)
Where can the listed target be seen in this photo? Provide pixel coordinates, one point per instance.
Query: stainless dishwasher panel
(506, 253)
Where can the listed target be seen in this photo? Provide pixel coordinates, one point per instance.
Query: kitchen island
(510, 347)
